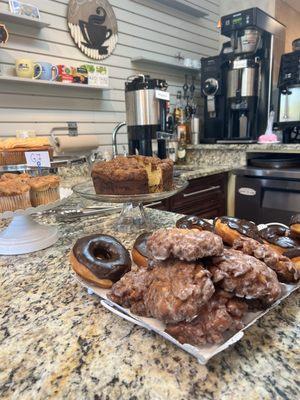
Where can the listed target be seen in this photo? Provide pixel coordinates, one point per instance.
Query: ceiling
(294, 3)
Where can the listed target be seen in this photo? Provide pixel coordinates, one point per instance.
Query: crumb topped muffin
(44, 189)
(14, 195)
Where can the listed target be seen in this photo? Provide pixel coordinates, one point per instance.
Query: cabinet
(205, 197)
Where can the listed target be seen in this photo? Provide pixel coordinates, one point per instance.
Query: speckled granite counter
(57, 342)
(201, 171)
(257, 148)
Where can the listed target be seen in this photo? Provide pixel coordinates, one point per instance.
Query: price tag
(37, 159)
(239, 64)
(162, 95)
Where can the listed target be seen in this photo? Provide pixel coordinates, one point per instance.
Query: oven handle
(210, 189)
(286, 185)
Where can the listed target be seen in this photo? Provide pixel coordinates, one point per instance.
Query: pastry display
(13, 150)
(100, 259)
(44, 189)
(222, 313)
(32, 192)
(194, 222)
(245, 276)
(186, 278)
(139, 251)
(133, 175)
(171, 291)
(184, 244)
(14, 196)
(295, 225)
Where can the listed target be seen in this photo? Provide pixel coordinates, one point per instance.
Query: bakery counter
(58, 342)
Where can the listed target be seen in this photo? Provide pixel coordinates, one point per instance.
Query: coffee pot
(146, 104)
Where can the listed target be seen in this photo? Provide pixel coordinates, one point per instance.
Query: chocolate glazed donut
(295, 226)
(194, 222)
(230, 229)
(100, 259)
(139, 251)
(283, 241)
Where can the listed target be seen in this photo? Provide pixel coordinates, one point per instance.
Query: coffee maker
(146, 116)
(289, 95)
(237, 84)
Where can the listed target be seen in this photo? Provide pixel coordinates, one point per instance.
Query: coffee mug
(26, 68)
(49, 71)
(65, 73)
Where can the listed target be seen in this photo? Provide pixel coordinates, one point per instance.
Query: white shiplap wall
(145, 29)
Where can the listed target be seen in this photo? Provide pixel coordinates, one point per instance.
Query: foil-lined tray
(202, 353)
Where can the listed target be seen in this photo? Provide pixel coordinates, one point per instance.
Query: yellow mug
(26, 68)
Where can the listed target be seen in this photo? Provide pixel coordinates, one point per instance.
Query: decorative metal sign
(93, 26)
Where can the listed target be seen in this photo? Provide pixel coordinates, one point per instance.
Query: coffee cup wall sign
(93, 26)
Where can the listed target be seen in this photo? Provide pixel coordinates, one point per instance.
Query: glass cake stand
(24, 235)
(133, 216)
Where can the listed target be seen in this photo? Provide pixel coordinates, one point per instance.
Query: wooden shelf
(16, 79)
(183, 6)
(18, 19)
(164, 63)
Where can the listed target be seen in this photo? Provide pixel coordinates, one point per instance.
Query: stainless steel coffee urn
(146, 106)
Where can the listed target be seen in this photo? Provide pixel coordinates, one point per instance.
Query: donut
(139, 252)
(183, 244)
(231, 229)
(100, 259)
(295, 226)
(194, 222)
(279, 238)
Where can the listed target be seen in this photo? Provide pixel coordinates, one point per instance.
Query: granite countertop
(256, 148)
(194, 171)
(57, 342)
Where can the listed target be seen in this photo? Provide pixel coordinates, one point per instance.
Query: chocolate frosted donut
(139, 251)
(100, 259)
(279, 236)
(194, 222)
(230, 229)
(295, 226)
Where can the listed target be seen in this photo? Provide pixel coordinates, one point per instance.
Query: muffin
(9, 177)
(2, 162)
(44, 189)
(13, 150)
(14, 195)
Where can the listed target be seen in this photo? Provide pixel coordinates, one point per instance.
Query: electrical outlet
(73, 128)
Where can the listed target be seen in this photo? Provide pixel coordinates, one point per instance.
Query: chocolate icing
(292, 253)
(295, 219)
(192, 222)
(246, 228)
(278, 235)
(140, 244)
(103, 255)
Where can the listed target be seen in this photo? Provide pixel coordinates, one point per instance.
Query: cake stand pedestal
(24, 235)
(133, 216)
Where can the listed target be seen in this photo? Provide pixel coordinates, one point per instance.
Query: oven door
(266, 200)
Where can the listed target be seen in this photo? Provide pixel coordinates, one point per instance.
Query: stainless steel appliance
(146, 115)
(289, 95)
(237, 84)
(268, 189)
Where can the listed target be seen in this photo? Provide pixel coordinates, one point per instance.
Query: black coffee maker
(237, 84)
(146, 116)
(289, 95)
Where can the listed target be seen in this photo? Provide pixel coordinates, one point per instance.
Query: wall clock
(93, 27)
